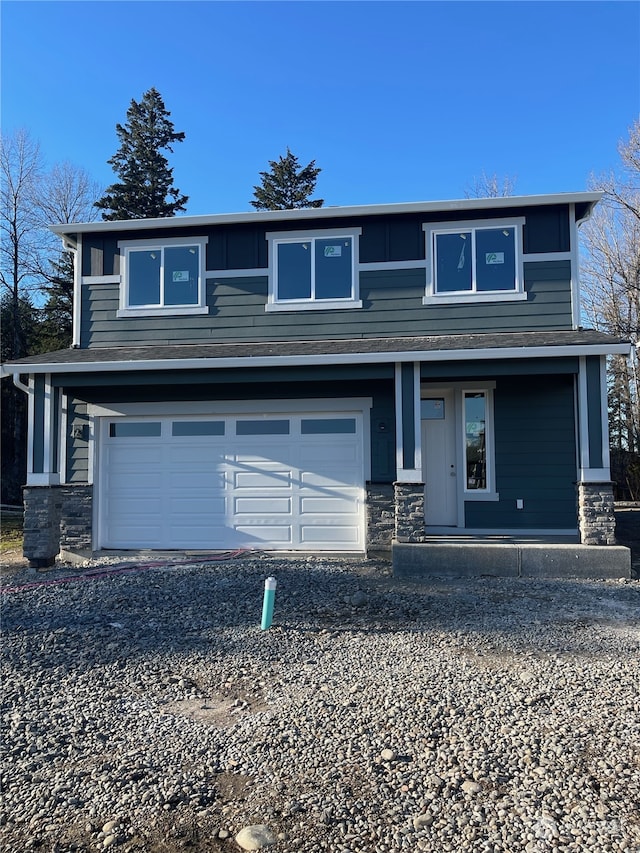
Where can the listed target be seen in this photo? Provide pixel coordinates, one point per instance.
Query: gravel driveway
(143, 709)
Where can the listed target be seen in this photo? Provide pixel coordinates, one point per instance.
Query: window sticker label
(494, 258)
(475, 427)
(180, 276)
(333, 251)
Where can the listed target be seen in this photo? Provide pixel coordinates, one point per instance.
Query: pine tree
(56, 327)
(145, 189)
(287, 186)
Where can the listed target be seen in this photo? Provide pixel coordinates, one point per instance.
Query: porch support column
(596, 517)
(409, 485)
(42, 498)
(43, 438)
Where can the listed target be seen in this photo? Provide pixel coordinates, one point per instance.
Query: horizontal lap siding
(392, 305)
(77, 449)
(535, 456)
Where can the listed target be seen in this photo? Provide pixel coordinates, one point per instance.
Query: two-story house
(330, 379)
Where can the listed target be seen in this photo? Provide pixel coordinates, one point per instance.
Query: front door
(439, 459)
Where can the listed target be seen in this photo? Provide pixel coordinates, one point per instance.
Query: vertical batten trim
(574, 248)
(77, 293)
(398, 403)
(47, 425)
(417, 457)
(604, 414)
(91, 448)
(583, 413)
(62, 437)
(30, 425)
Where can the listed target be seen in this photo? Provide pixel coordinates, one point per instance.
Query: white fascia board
(429, 207)
(496, 353)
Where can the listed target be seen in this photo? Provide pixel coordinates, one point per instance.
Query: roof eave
(490, 353)
(506, 202)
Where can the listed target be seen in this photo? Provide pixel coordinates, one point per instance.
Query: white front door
(439, 459)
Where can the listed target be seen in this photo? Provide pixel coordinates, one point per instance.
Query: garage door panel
(139, 535)
(267, 451)
(125, 454)
(330, 505)
(197, 455)
(337, 451)
(210, 506)
(326, 480)
(329, 534)
(258, 505)
(193, 536)
(193, 480)
(262, 479)
(144, 484)
(275, 534)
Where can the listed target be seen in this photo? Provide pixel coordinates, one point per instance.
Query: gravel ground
(143, 709)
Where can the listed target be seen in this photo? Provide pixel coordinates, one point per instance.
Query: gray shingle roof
(325, 350)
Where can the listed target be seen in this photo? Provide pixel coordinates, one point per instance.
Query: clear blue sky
(396, 101)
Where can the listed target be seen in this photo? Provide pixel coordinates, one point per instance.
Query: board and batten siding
(392, 306)
(535, 456)
(384, 238)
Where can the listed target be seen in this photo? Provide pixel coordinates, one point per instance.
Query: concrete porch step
(483, 558)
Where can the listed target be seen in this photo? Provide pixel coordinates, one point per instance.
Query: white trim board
(230, 407)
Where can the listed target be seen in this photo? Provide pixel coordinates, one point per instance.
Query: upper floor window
(313, 270)
(163, 277)
(480, 260)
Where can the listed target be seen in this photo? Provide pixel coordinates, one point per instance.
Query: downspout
(20, 384)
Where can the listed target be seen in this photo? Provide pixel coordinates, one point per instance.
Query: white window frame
(276, 238)
(126, 247)
(489, 492)
(432, 229)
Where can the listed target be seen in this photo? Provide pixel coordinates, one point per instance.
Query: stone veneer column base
(56, 516)
(76, 518)
(41, 525)
(381, 517)
(409, 517)
(596, 518)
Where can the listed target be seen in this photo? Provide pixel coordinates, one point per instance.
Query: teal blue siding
(237, 248)
(392, 305)
(535, 456)
(77, 470)
(387, 240)
(594, 411)
(460, 370)
(547, 229)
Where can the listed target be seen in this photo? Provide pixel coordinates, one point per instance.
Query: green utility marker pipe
(268, 602)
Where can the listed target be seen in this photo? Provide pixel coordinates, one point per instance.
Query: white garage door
(288, 482)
